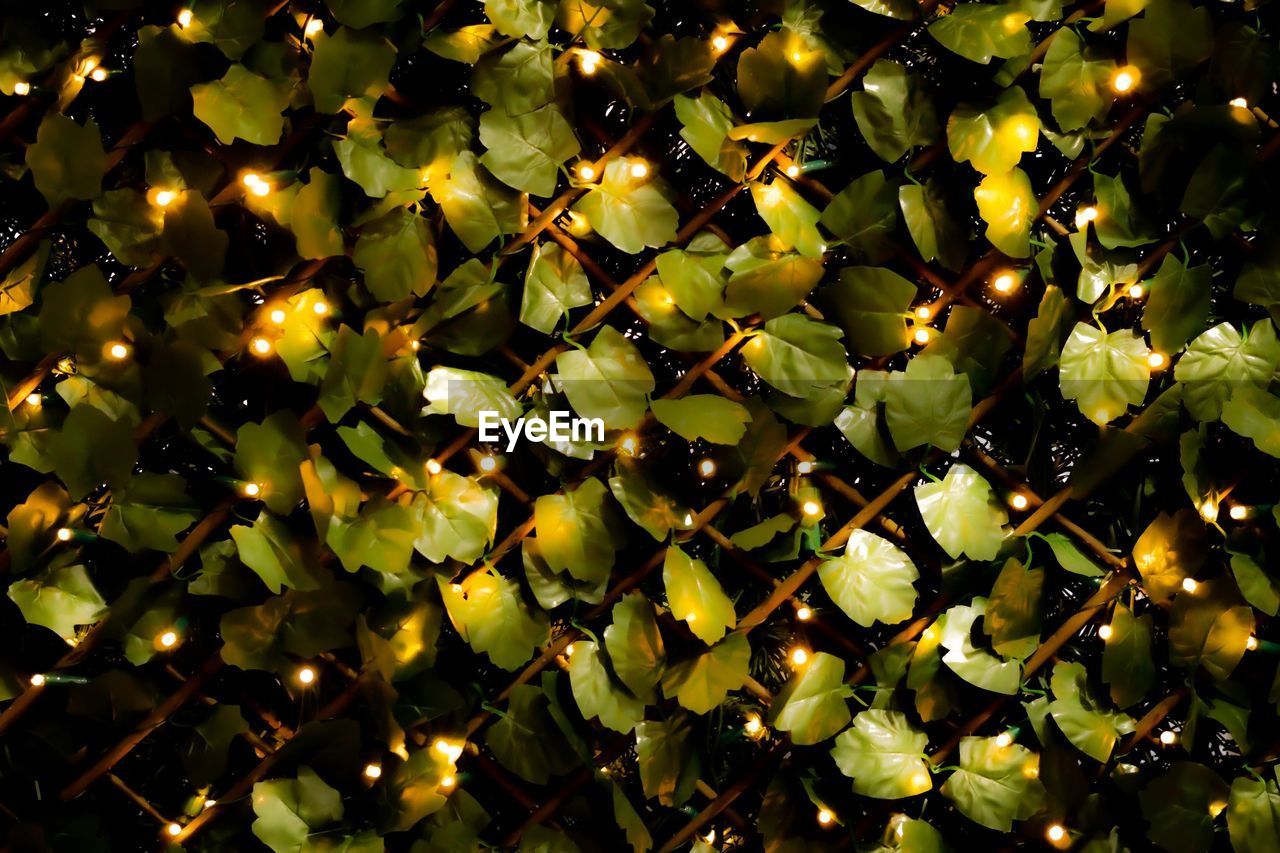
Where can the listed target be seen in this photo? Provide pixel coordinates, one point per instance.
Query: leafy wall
(936, 349)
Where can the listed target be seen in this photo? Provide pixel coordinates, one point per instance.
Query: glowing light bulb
(1156, 360)
(924, 312)
(720, 43)
(251, 490)
(185, 17)
(22, 88)
(278, 316)
(118, 351)
(1252, 643)
(795, 57)
(1056, 832)
(434, 467)
(306, 675)
(1168, 737)
(1240, 103)
(315, 26)
(804, 614)
(34, 400)
(372, 771)
(804, 467)
(629, 445)
(793, 171)
(1085, 215)
(1105, 632)
(568, 650)
(1239, 512)
(799, 656)
(255, 184)
(589, 61)
(321, 307)
(488, 464)
(415, 345)
(210, 803)
(65, 534)
(825, 817)
(174, 829)
(1005, 282)
(164, 198)
(1004, 739)
(1125, 79)
(1019, 501)
(753, 725)
(260, 346)
(448, 782)
(452, 751)
(707, 468)
(1137, 291)
(710, 837)
(1190, 585)
(639, 169)
(169, 639)
(921, 336)
(587, 172)
(98, 75)
(812, 508)
(1209, 511)
(37, 680)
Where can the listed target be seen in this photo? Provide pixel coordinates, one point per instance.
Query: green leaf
(703, 416)
(860, 423)
(271, 551)
(232, 26)
(1012, 620)
(517, 18)
(486, 609)
(673, 65)
(32, 522)
(1253, 414)
(893, 111)
(527, 741)
(863, 216)
(963, 514)
(1171, 38)
(798, 355)
(92, 449)
(415, 788)
(1210, 628)
(994, 784)
(767, 279)
(928, 403)
(980, 31)
(705, 122)
(368, 164)
(630, 212)
(397, 254)
(464, 394)
(348, 64)
(1092, 729)
(635, 645)
(1171, 549)
(458, 517)
(935, 232)
(525, 151)
(290, 810)
(665, 751)
(477, 207)
(1178, 304)
(702, 682)
(553, 284)
(357, 372)
(59, 599)
(597, 695)
(611, 24)
(696, 597)
(607, 380)
(364, 13)
(80, 314)
(657, 513)
(872, 581)
(813, 705)
(1076, 82)
(575, 531)
(516, 81)
(241, 105)
(1008, 205)
(1103, 372)
(693, 278)
(1180, 806)
(884, 755)
(1127, 665)
(871, 304)
(782, 77)
(1222, 359)
(977, 666)
(1253, 814)
(128, 224)
(994, 139)
(272, 635)
(1257, 587)
(1119, 224)
(149, 513)
(67, 160)
(269, 454)
(791, 219)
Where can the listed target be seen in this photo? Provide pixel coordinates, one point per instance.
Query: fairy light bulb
(278, 316)
(22, 88)
(1085, 215)
(315, 26)
(924, 312)
(1251, 644)
(434, 467)
(710, 837)
(1168, 737)
(753, 725)
(629, 445)
(210, 803)
(174, 829)
(1056, 833)
(1137, 291)
(169, 639)
(1239, 512)
(34, 400)
(1005, 282)
(260, 346)
(799, 656)
(97, 75)
(1125, 79)
(448, 782)
(793, 171)
(185, 17)
(118, 351)
(37, 680)
(804, 467)
(568, 650)
(586, 172)
(1190, 585)
(921, 336)
(1019, 501)
(1004, 739)
(64, 534)
(251, 490)
(372, 771)
(1209, 511)
(812, 508)
(164, 198)
(452, 751)
(795, 57)
(825, 817)
(320, 308)
(1105, 632)
(255, 184)
(589, 61)
(1239, 103)
(639, 169)
(804, 614)
(707, 468)
(1157, 360)
(488, 464)
(720, 43)
(772, 195)
(306, 675)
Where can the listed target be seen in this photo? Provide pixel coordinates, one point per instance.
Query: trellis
(870, 510)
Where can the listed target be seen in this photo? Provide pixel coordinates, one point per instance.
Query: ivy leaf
(767, 279)
(1103, 372)
(348, 64)
(67, 160)
(465, 394)
(525, 151)
(657, 513)
(518, 18)
(92, 449)
(1222, 359)
(928, 403)
(872, 581)
(607, 380)
(694, 278)
(1092, 729)
(798, 355)
(696, 597)
(597, 695)
(241, 105)
(368, 164)
(575, 531)
(1172, 37)
(782, 77)
(553, 285)
(791, 219)
(705, 122)
(702, 682)
(893, 111)
(1210, 628)
(149, 513)
(127, 224)
(271, 551)
(613, 24)
(703, 416)
(635, 645)
(813, 705)
(1178, 304)
(935, 232)
(31, 522)
(1127, 665)
(860, 423)
(630, 212)
(232, 26)
(979, 31)
(271, 635)
(1012, 619)
(863, 216)
(527, 741)
(80, 314)
(380, 537)
(963, 514)
(269, 454)
(477, 207)
(1045, 333)
(1257, 587)
(290, 810)
(994, 139)
(1119, 224)
(871, 305)
(416, 789)
(364, 13)
(60, 598)
(994, 784)
(516, 81)
(1253, 414)
(1180, 806)
(668, 760)
(1253, 814)
(1008, 205)
(357, 372)
(977, 666)
(487, 611)
(397, 254)
(1076, 83)
(884, 755)
(458, 518)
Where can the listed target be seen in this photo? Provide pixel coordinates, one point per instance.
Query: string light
(1004, 739)
(169, 639)
(707, 468)
(793, 171)
(34, 400)
(306, 675)
(1156, 360)
(589, 61)
(812, 508)
(434, 467)
(448, 782)
(1085, 215)
(118, 351)
(22, 88)
(795, 57)
(639, 169)
(315, 26)
(174, 829)
(825, 817)
(720, 43)
(278, 316)
(1137, 291)
(921, 336)
(372, 771)
(1168, 737)
(1190, 585)
(710, 837)
(586, 171)
(1240, 103)
(1239, 512)
(1019, 501)
(1251, 644)
(37, 680)
(804, 467)
(753, 726)
(164, 198)
(260, 346)
(799, 656)
(1005, 282)
(568, 650)
(1209, 511)
(804, 614)
(1105, 632)
(185, 17)
(210, 803)
(65, 534)
(255, 183)
(924, 312)
(98, 75)
(1056, 832)
(321, 307)
(772, 195)
(488, 464)
(452, 751)
(1125, 79)
(629, 445)
(251, 490)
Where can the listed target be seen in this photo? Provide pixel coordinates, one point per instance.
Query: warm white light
(65, 534)
(772, 195)
(306, 675)
(1252, 643)
(210, 803)
(448, 782)
(795, 57)
(372, 771)
(1168, 737)
(1240, 103)
(118, 351)
(1004, 739)
(165, 197)
(568, 650)
(589, 61)
(488, 464)
(1239, 512)
(707, 467)
(185, 17)
(924, 312)
(799, 656)
(825, 817)
(804, 467)
(251, 490)
(433, 467)
(278, 316)
(753, 726)
(1005, 282)
(1019, 501)
(1105, 632)
(587, 172)
(1056, 833)
(1125, 79)
(321, 308)
(921, 336)
(255, 184)
(98, 75)
(793, 171)
(1085, 215)
(629, 445)
(169, 639)
(639, 169)
(1156, 360)
(1209, 511)
(260, 346)
(804, 614)
(452, 751)
(1137, 291)
(720, 43)
(34, 400)
(1190, 585)
(174, 829)
(21, 88)
(37, 680)
(812, 508)
(314, 27)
